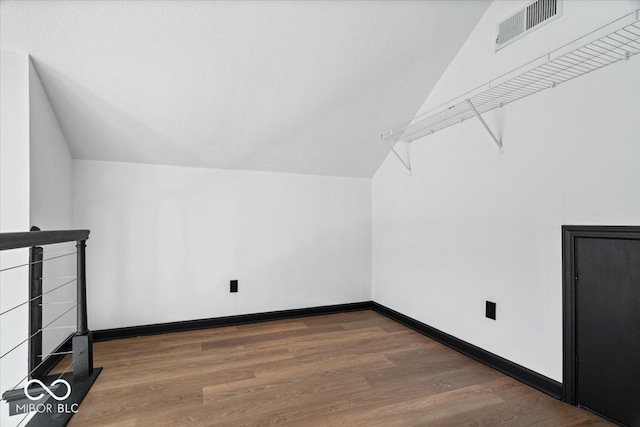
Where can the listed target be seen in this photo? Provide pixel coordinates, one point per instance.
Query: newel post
(83, 340)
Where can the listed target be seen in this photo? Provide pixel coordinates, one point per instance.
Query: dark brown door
(608, 327)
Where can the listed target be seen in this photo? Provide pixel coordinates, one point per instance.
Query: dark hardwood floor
(357, 368)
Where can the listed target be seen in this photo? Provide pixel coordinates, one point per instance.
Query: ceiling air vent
(527, 19)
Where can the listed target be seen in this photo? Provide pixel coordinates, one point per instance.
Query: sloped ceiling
(303, 87)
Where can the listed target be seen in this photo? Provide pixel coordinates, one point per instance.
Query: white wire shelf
(612, 43)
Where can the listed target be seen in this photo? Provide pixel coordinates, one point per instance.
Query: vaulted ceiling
(303, 87)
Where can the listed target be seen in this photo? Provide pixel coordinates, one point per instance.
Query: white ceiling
(303, 87)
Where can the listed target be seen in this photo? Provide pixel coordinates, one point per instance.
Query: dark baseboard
(215, 322)
(50, 362)
(520, 373)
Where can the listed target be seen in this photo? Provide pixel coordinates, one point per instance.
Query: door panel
(608, 327)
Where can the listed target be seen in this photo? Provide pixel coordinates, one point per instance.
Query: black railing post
(81, 278)
(82, 341)
(35, 309)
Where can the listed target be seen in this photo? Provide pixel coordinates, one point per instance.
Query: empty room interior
(332, 213)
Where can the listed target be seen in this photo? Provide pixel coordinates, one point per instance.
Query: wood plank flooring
(347, 369)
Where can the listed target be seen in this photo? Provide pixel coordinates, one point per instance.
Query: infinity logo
(47, 389)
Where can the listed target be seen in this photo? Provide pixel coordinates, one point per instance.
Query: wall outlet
(233, 286)
(491, 310)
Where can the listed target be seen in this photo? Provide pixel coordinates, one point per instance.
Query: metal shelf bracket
(407, 163)
(486, 126)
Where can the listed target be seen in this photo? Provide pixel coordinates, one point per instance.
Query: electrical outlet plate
(490, 310)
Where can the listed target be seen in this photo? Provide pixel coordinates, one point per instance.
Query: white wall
(165, 241)
(14, 135)
(471, 225)
(51, 208)
(14, 216)
(51, 165)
